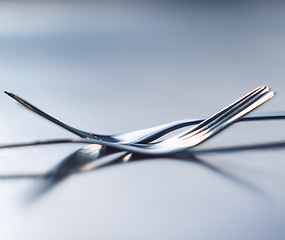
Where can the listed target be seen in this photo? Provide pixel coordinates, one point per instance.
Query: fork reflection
(94, 157)
(85, 159)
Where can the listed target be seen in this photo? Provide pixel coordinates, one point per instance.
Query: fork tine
(230, 112)
(231, 118)
(230, 108)
(243, 103)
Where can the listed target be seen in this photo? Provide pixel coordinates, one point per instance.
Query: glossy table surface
(119, 66)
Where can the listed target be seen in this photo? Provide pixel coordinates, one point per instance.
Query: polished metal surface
(137, 136)
(203, 131)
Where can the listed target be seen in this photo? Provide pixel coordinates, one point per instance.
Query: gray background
(116, 66)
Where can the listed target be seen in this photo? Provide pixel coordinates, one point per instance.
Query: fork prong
(221, 114)
(230, 119)
(243, 103)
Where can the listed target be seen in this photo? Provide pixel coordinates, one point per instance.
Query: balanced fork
(203, 131)
(139, 136)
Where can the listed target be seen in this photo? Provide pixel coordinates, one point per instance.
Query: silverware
(138, 136)
(201, 132)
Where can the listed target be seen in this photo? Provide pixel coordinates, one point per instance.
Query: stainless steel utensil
(201, 132)
(138, 136)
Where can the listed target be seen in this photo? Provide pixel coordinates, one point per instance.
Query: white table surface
(119, 66)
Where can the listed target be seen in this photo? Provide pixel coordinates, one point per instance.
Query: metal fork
(138, 136)
(204, 130)
(201, 132)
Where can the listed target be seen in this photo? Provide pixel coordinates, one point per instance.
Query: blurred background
(94, 55)
(115, 66)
